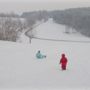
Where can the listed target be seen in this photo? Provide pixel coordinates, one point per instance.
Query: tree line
(12, 24)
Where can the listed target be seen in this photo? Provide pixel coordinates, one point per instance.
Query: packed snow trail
(70, 41)
(23, 36)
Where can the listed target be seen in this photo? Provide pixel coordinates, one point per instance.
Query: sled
(41, 57)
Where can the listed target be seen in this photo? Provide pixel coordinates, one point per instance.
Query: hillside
(52, 30)
(21, 70)
(76, 18)
(11, 25)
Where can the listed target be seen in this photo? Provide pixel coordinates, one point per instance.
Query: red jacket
(63, 60)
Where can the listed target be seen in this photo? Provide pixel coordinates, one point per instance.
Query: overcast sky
(19, 6)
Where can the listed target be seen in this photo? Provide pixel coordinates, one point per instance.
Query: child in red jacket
(63, 62)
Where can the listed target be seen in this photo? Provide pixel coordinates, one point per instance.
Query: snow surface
(23, 38)
(51, 30)
(20, 70)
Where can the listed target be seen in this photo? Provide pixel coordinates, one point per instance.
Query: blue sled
(40, 57)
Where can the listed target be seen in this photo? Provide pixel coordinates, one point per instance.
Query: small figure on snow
(39, 55)
(63, 62)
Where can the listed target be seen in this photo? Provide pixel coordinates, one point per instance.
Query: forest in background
(12, 24)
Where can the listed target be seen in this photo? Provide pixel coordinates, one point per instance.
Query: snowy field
(51, 30)
(20, 70)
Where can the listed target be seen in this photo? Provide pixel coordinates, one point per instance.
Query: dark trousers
(63, 67)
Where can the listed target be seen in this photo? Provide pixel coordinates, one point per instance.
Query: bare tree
(9, 28)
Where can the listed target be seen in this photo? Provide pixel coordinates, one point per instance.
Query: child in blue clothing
(39, 55)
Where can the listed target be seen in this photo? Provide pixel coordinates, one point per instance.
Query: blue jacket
(39, 55)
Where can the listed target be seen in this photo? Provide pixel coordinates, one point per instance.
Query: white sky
(20, 6)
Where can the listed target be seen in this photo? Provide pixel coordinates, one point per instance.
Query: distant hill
(77, 18)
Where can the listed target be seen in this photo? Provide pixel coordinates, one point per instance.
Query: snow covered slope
(20, 70)
(51, 30)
